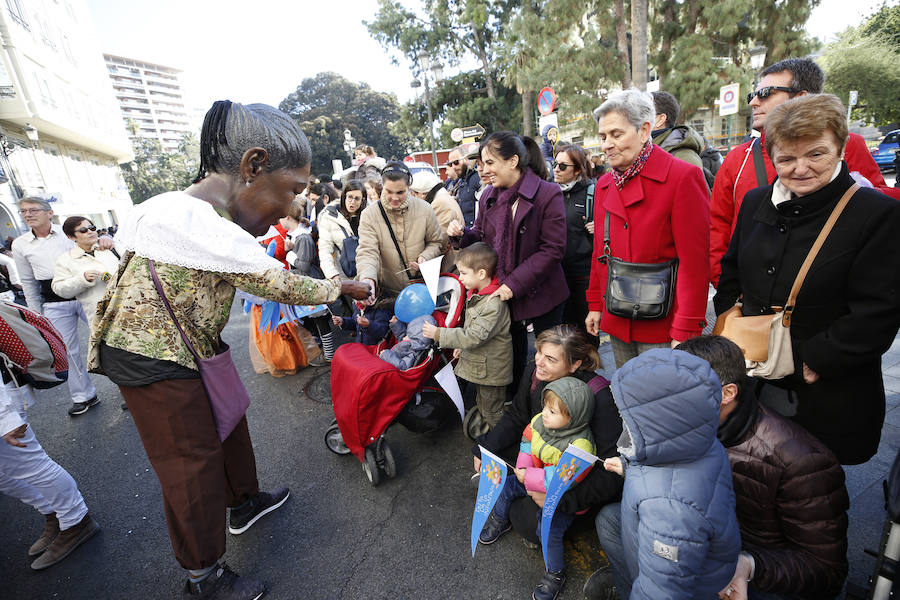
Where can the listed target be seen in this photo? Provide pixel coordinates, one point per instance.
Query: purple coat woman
(522, 216)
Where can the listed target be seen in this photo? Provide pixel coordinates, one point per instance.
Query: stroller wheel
(370, 467)
(335, 441)
(387, 458)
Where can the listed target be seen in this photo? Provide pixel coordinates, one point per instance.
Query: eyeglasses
(453, 163)
(561, 166)
(31, 211)
(765, 92)
(86, 229)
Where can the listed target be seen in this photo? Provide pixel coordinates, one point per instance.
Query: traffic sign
(546, 101)
(456, 134)
(854, 97)
(473, 131)
(728, 99)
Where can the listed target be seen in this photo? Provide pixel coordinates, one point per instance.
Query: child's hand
(363, 322)
(520, 475)
(337, 320)
(614, 464)
(393, 319)
(456, 353)
(429, 330)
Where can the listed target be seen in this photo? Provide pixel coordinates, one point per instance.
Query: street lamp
(423, 61)
(349, 144)
(757, 60)
(31, 133)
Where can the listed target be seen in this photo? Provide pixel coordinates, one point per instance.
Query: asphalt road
(337, 537)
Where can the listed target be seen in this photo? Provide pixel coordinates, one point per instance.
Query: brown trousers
(199, 474)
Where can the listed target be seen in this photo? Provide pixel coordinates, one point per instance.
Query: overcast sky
(261, 51)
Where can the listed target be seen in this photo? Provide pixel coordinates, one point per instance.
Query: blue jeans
(609, 532)
(512, 489)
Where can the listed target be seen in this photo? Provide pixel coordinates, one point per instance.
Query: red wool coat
(737, 176)
(660, 214)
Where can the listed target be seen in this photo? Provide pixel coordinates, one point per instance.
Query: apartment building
(150, 98)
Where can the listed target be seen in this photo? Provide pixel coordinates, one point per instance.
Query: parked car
(416, 166)
(884, 153)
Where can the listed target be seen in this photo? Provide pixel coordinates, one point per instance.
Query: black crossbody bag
(637, 291)
(396, 244)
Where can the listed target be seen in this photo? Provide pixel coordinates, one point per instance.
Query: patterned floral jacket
(132, 317)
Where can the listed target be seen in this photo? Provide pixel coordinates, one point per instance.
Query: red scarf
(489, 289)
(620, 179)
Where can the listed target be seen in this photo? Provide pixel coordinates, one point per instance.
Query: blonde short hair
(804, 117)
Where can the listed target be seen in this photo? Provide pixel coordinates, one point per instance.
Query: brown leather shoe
(51, 530)
(66, 542)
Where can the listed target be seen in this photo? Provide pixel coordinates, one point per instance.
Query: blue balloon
(414, 301)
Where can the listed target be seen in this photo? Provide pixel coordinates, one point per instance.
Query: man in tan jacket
(414, 225)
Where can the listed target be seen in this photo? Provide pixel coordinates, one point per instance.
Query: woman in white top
(83, 272)
(339, 221)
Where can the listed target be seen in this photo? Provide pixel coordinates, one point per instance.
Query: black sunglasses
(765, 92)
(86, 229)
(453, 163)
(561, 166)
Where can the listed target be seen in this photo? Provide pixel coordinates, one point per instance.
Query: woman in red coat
(658, 210)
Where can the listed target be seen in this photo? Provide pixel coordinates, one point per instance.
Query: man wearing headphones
(396, 234)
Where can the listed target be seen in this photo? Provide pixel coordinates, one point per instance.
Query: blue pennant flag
(490, 484)
(571, 466)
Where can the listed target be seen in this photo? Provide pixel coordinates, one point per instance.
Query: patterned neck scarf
(620, 179)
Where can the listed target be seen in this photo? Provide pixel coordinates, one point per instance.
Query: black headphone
(395, 166)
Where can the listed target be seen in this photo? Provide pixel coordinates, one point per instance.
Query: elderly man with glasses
(35, 253)
(748, 166)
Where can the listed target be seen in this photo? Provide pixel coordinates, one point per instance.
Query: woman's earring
(247, 182)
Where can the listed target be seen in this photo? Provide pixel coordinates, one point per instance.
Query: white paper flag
(431, 272)
(447, 380)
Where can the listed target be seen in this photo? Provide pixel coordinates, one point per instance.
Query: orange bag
(280, 352)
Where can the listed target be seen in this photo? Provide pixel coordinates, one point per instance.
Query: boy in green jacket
(483, 344)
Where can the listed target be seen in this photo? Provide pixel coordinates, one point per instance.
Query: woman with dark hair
(523, 218)
(200, 242)
(373, 189)
(338, 222)
(83, 272)
(571, 171)
(561, 351)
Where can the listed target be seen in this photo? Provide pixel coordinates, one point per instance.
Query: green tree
(870, 65)
(155, 171)
(885, 24)
(327, 104)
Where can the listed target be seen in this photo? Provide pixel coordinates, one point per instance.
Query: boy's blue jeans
(512, 489)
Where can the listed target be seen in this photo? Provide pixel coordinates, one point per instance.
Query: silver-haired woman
(657, 210)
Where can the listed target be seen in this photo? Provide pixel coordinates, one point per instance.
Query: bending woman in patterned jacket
(253, 160)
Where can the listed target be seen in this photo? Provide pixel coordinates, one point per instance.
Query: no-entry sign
(546, 101)
(728, 99)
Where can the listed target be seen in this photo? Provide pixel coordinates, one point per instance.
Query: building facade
(61, 132)
(151, 101)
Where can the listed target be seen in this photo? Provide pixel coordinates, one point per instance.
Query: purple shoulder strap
(598, 383)
(162, 295)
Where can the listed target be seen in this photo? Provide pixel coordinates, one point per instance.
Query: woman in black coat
(572, 173)
(848, 310)
(561, 351)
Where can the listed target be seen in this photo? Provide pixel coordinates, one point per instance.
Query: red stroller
(368, 393)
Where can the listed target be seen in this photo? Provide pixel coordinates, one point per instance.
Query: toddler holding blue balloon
(413, 309)
(483, 344)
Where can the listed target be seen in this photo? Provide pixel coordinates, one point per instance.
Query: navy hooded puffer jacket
(679, 529)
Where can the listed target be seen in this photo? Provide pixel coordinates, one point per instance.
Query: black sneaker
(550, 586)
(241, 519)
(601, 585)
(493, 529)
(79, 408)
(225, 584)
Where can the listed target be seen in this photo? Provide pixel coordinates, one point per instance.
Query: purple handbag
(227, 395)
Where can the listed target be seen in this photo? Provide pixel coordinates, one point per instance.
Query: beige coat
(331, 239)
(418, 233)
(69, 281)
(447, 209)
(484, 341)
